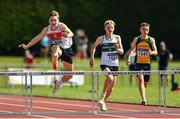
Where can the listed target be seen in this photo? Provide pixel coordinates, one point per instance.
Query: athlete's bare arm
(133, 44)
(93, 49)
(129, 53)
(154, 48)
(66, 32)
(132, 49)
(120, 48)
(35, 39)
(170, 56)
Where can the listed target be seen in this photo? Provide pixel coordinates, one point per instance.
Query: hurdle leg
(164, 84)
(97, 91)
(92, 83)
(26, 96)
(31, 94)
(159, 92)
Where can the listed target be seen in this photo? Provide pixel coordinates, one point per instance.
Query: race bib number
(143, 52)
(112, 56)
(56, 42)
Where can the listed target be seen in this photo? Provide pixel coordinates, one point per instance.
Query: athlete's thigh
(106, 68)
(68, 66)
(147, 68)
(114, 80)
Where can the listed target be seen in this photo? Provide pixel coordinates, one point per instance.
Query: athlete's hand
(64, 34)
(91, 63)
(116, 46)
(128, 62)
(64, 31)
(150, 52)
(23, 46)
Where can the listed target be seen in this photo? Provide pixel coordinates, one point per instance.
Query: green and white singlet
(109, 54)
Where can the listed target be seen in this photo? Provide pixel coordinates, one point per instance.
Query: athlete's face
(53, 21)
(109, 28)
(144, 30)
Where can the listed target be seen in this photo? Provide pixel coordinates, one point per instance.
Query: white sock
(144, 99)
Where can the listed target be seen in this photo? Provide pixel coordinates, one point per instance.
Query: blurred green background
(21, 20)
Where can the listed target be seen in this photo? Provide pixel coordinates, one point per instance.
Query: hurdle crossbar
(38, 73)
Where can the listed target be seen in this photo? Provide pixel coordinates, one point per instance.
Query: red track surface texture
(12, 104)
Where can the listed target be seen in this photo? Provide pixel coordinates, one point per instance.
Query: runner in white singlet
(111, 47)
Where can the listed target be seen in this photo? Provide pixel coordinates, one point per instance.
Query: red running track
(12, 104)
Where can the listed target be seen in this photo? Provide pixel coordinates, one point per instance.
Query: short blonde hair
(54, 13)
(145, 24)
(109, 22)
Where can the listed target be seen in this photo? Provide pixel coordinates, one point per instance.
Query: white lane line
(3, 111)
(43, 116)
(58, 110)
(173, 114)
(68, 104)
(44, 108)
(65, 104)
(117, 116)
(78, 105)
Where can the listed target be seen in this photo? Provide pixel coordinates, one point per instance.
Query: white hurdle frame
(29, 111)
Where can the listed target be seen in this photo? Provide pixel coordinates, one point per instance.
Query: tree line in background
(21, 20)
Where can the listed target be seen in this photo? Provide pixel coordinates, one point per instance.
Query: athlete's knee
(56, 51)
(110, 80)
(69, 76)
(54, 57)
(110, 77)
(66, 78)
(145, 84)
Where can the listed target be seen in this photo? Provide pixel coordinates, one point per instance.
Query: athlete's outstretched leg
(68, 67)
(110, 89)
(56, 53)
(107, 84)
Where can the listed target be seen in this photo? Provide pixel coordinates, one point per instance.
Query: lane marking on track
(68, 104)
(65, 104)
(78, 105)
(59, 110)
(44, 108)
(117, 116)
(3, 111)
(173, 114)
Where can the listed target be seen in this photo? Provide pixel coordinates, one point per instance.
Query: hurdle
(95, 98)
(18, 73)
(162, 105)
